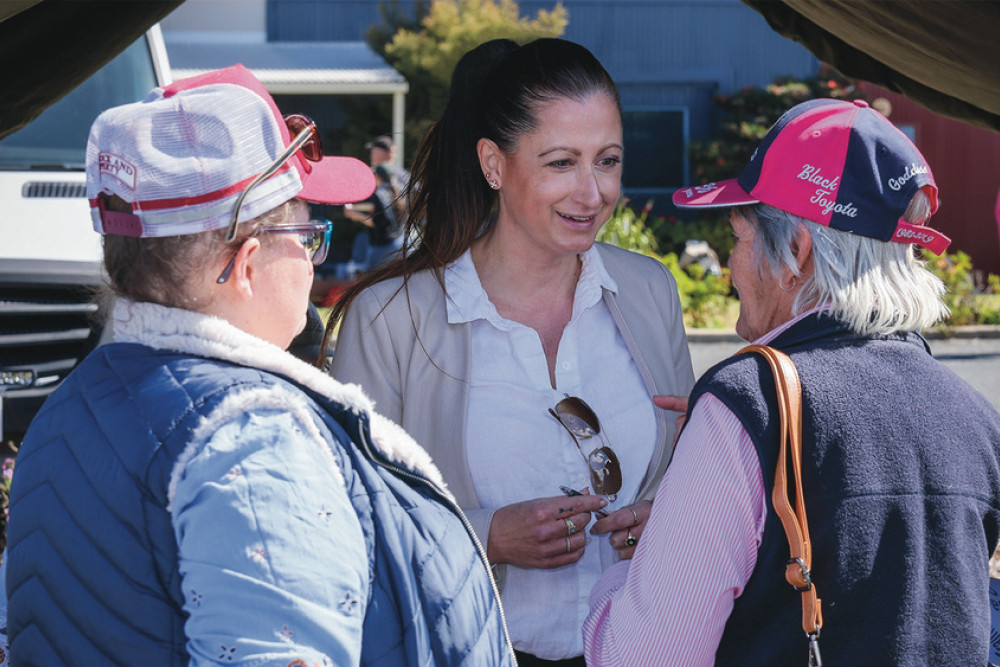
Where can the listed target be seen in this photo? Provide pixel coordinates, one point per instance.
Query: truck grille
(53, 189)
(45, 331)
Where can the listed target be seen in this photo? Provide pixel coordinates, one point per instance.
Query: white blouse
(517, 451)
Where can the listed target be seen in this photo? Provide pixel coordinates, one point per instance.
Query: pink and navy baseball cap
(182, 156)
(836, 163)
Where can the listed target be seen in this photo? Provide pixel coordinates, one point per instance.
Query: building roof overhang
(291, 68)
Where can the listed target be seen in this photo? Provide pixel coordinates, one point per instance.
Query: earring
(492, 182)
(790, 287)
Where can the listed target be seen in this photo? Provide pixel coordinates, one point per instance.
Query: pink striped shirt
(670, 603)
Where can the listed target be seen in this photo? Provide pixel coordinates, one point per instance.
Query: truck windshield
(57, 139)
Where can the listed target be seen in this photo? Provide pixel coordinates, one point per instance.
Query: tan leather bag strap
(793, 517)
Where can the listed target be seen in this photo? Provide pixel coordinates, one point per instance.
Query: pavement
(972, 352)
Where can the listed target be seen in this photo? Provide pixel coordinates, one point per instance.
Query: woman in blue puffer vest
(192, 493)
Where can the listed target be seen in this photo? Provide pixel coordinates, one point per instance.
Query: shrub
(705, 298)
(749, 112)
(968, 304)
(747, 115)
(672, 234)
(627, 230)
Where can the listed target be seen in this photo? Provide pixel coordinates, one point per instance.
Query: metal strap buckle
(806, 574)
(814, 658)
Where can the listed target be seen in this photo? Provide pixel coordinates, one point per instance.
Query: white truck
(50, 256)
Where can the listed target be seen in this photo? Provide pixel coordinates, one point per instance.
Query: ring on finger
(570, 526)
(569, 545)
(635, 517)
(630, 539)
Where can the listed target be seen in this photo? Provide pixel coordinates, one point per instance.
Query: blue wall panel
(319, 20)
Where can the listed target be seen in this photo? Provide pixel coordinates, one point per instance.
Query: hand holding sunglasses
(573, 492)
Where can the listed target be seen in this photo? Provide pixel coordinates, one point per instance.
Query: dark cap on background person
(384, 142)
(839, 164)
(183, 157)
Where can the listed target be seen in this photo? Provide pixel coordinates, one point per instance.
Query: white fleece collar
(193, 333)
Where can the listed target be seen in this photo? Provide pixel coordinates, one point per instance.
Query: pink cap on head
(182, 156)
(839, 164)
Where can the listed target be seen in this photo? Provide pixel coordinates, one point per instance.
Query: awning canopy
(49, 48)
(943, 54)
(293, 68)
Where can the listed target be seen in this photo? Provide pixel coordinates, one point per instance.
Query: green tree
(393, 19)
(425, 46)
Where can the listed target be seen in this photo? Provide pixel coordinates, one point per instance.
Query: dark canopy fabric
(943, 54)
(49, 47)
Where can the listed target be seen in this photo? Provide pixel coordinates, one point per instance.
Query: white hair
(875, 287)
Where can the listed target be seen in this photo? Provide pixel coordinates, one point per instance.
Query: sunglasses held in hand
(582, 424)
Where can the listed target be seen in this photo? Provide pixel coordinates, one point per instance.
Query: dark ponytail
(451, 197)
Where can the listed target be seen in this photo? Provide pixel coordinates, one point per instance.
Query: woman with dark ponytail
(501, 307)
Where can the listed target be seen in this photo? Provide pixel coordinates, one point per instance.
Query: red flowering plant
(8, 474)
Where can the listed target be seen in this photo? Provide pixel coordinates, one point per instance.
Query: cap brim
(714, 195)
(338, 180)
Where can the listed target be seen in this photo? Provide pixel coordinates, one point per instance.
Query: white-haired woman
(901, 458)
(194, 494)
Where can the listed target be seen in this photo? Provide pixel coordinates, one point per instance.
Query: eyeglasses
(306, 139)
(314, 236)
(582, 424)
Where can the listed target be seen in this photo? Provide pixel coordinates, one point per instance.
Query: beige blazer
(414, 365)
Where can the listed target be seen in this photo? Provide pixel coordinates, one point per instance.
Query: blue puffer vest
(92, 559)
(901, 471)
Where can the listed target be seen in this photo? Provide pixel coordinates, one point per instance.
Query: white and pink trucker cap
(182, 156)
(839, 164)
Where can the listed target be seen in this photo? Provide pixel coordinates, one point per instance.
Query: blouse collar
(468, 301)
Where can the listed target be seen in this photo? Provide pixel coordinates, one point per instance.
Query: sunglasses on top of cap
(305, 138)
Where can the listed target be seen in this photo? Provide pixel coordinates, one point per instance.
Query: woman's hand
(626, 526)
(542, 533)
(677, 404)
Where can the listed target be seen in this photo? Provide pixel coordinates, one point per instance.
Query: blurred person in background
(382, 152)
(382, 215)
